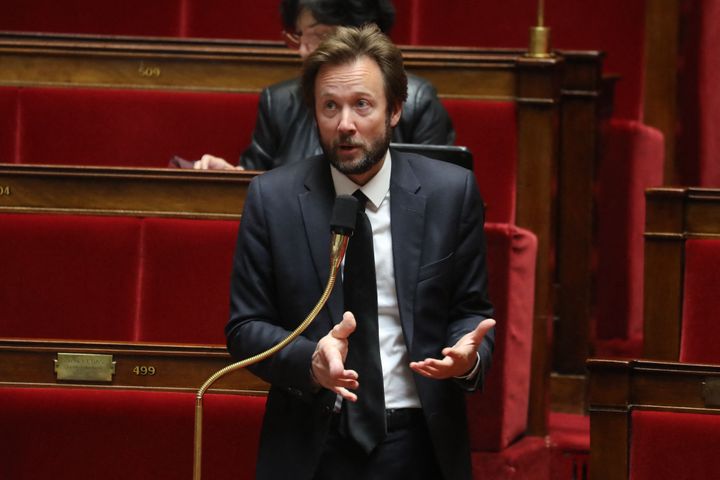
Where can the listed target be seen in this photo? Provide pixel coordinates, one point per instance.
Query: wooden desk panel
(672, 216)
(241, 66)
(123, 191)
(619, 387)
(177, 367)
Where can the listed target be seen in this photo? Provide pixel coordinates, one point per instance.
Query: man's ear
(396, 114)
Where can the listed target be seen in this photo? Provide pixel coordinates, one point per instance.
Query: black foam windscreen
(344, 215)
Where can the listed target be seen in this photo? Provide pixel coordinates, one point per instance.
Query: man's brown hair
(347, 44)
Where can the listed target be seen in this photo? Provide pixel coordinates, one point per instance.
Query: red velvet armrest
(498, 415)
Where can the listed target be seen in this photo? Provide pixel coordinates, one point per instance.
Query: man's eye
(363, 103)
(330, 105)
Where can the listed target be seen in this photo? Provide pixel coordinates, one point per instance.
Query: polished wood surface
(582, 110)
(660, 107)
(672, 216)
(568, 393)
(176, 367)
(617, 387)
(123, 191)
(240, 66)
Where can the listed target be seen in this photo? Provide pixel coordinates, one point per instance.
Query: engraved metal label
(86, 367)
(711, 392)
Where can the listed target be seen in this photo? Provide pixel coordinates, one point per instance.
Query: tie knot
(361, 198)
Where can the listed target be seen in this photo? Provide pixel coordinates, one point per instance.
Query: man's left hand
(459, 359)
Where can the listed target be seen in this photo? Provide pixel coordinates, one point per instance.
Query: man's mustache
(347, 141)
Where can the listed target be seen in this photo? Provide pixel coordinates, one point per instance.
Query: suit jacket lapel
(407, 210)
(316, 204)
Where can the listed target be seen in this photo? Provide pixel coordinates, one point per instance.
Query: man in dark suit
(427, 336)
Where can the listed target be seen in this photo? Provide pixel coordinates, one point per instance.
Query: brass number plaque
(88, 367)
(144, 370)
(4, 190)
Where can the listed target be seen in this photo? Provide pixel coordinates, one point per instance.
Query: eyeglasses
(311, 39)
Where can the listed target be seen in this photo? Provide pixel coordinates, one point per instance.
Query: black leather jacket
(285, 129)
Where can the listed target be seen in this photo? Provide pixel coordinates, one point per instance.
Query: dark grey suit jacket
(280, 269)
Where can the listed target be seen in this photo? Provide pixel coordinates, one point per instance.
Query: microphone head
(344, 215)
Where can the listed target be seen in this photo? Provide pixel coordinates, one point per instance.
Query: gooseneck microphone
(342, 225)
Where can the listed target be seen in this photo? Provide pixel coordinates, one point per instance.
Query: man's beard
(371, 156)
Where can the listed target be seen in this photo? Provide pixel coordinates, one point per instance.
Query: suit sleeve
(265, 139)
(470, 303)
(254, 324)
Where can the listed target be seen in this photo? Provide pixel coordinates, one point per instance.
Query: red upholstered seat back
(673, 445)
(69, 433)
(115, 278)
(632, 161)
(8, 123)
(186, 280)
(70, 277)
(614, 26)
(119, 127)
(701, 302)
(130, 17)
(498, 415)
(402, 31)
(489, 130)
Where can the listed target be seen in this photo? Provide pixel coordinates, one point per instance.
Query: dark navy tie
(364, 420)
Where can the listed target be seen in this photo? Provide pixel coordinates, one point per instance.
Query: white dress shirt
(399, 386)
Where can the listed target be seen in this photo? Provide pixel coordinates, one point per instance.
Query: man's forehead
(362, 73)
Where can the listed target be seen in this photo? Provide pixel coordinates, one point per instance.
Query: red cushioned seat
(526, 459)
(498, 415)
(489, 130)
(569, 436)
(136, 128)
(8, 123)
(186, 280)
(701, 302)
(69, 277)
(73, 433)
(674, 446)
(632, 160)
(130, 17)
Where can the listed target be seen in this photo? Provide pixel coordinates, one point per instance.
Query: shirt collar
(376, 189)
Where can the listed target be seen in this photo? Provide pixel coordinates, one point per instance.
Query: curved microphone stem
(337, 252)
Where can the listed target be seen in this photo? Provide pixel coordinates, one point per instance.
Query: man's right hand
(211, 162)
(328, 360)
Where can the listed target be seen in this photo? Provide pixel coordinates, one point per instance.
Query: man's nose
(347, 121)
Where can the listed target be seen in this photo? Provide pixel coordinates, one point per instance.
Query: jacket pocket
(435, 268)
